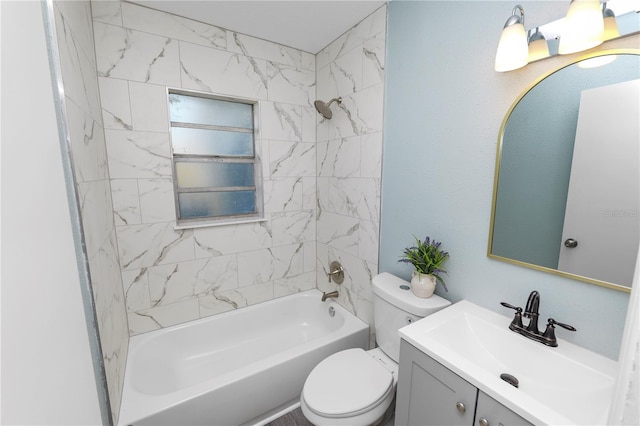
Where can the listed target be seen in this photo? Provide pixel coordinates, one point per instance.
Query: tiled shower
(321, 177)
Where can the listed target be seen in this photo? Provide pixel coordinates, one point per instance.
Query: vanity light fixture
(583, 27)
(538, 47)
(513, 50)
(588, 24)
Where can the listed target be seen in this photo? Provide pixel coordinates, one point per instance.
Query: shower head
(324, 109)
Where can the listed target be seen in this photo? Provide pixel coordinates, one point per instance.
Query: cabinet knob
(483, 422)
(460, 407)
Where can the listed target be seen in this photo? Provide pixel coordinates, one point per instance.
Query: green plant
(427, 257)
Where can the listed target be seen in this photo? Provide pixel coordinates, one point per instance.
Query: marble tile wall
(349, 160)
(172, 276)
(89, 155)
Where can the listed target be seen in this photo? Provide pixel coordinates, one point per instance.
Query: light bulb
(538, 47)
(583, 27)
(513, 50)
(610, 25)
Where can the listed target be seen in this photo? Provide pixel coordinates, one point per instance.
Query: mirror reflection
(566, 197)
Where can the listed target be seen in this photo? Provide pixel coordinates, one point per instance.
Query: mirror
(567, 184)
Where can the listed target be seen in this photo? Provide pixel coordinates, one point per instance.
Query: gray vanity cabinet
(430, 394)
(490, 412)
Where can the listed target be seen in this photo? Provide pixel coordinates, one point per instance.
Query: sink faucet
(531, 331)
(333, 294)
(531, 312)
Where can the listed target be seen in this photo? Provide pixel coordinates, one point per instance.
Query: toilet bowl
(356, 387)
(351, 387)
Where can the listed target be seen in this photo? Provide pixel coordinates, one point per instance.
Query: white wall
(74, 37)
(47, 374)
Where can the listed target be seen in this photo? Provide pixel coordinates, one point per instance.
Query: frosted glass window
(218, 175)
(216, 172)
(214, 112)
(211, 142)
(197, 205)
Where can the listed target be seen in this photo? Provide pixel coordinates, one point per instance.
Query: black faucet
(531, 331)
(531, 312)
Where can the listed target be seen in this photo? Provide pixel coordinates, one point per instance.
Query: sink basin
(563, 385)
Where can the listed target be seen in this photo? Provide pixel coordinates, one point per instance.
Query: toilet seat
(347, 384)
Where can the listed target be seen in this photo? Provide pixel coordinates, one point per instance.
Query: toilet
(357, 387)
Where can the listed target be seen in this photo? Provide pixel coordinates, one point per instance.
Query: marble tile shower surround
(349, 159)
(171, 276)
(318, 206)
(88, 150)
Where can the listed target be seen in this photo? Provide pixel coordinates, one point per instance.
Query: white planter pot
(423, 285)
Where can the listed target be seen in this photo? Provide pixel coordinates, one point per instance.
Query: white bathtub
(242, 367)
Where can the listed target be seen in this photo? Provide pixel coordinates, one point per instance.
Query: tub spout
(329, 295)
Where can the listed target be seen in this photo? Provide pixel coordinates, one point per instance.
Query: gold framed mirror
(567, 178)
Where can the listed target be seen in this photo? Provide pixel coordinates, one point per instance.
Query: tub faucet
(333, 294)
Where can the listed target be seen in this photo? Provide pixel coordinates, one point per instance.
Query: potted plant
(427, 258)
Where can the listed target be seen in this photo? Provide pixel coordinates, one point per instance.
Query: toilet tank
(394, 307)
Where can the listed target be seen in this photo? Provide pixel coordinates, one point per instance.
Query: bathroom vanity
(431, 394)
(460, 366)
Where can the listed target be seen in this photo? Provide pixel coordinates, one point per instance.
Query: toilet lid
(346, 383)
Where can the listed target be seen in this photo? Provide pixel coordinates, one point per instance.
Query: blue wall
(444, 105)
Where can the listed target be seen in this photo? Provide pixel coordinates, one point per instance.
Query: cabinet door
(491, 413)
(430, 394)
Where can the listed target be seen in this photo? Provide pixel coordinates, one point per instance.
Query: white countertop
(563, 385)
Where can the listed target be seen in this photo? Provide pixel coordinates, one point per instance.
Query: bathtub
(244, 367)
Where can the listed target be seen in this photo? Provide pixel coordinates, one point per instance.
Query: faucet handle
(517, 319)
(550, 334)
(506, 305)
(336, 272)
(551, 322)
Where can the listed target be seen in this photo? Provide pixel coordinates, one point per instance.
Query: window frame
(258, 187)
